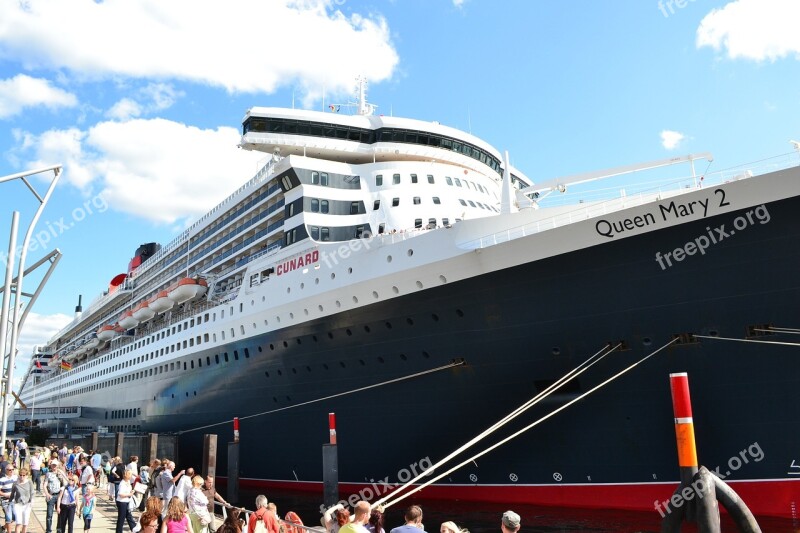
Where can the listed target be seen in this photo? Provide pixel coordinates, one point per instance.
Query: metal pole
(10, 260)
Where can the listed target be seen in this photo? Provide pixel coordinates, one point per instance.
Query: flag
(38, 364)
(66, 366)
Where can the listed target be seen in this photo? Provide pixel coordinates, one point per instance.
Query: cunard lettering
(298, 262)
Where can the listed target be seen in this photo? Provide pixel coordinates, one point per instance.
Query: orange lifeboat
(127, 320)
(106, 333)
(142, 312)
(161, 302)
(187, 289)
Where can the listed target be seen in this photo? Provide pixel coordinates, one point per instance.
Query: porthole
(375, 294)
(403, 357)
(305, 311)
(647, 341)
(266, 374)
(410, 252)
(265, 322)
(355, 299)
(556, 350)
(320, 308)
(302, 286)
(388, 258)
(330, 334)
(288, 398)
(435, 317)
(314, 337)
(362, 362)
(419, 284)
(395, 289)
(263, 298)
(325, 366)
(275, 399)
(338, 303)
(426, 355)
(285, 344)
(288, 290)
(349, 270)
(381, 359)
(443, 279)
(299, 340)
(294, 371)
(316, 281)
(341, 364)
(277, 319)
(333, 275)
(291, 315)
(280, 372)
(349, 333)
(271, 346)
(388, 325)
(366, 328)
(252, 303)
(260, 349)
(459, 313)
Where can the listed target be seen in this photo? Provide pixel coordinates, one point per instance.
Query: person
(117, 473)
(36, 470)
(166, 481)
(273, 508)
(153, 507)
(54, 480)
(124, 493)
(449, 527)
(335, 517)
(87, 506)
(292, 518)
(413, 523)
(184, 485)
(22, 498)
(6, 482)
(233, 522)
(176, 521)
(510, 522)
(262, 514)
(197, 504)
(211, 494)
(375, 524)
(144, 478)
(67, 501)
(133, 465)
(361, 517)
(22, 446)
(87, 474)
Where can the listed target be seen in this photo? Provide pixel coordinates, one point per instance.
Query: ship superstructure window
(430, 178)
(379, 180)
(315, 205)
(431, 223)
(417, 223)
(381, 227)
(325, 234)
(395, 202)
(323, 206)
(315, 178)
(462, 202)
(436, 200)
(458, 182)
(471, 203)
(323, 179)
(417, 200)
(287, 182)
(396, 179)
(445, 222)
(413, 178)
(314, 232)
(354, 208)
(360, 231)
(376, 205)
(448, 180)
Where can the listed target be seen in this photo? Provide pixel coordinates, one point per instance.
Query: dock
(104, 516)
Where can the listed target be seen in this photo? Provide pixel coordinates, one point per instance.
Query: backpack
(53, 483)
(261, 527)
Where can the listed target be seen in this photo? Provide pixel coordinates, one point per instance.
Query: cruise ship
(404, 275)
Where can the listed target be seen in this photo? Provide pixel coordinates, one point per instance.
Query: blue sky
(142, 100)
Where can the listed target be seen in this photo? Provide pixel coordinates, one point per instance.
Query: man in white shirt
(184, 485)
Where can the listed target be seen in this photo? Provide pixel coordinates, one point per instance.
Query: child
(87, 507)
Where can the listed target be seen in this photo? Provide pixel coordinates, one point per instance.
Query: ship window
(431, 223)
(395, 202)
(436, 200)
(324, 206)
(315, 178)
(413, 178)
(430, 178)
(287, 183)
(359, 232)
(216, 358)
(396, 179)
(445, 222)
(354, 208)
(417, 222)
(481, 205)
(379, 180)
(448, 180)
(323, 179)
(291, 210)
(417, 201)
(314, 232)
(191, 363)
(462, 202)
(325, 234)
(233, 333)
(458, 182)
(315, 205)
(376, 205)
(471, 203)
(381, 227)
(225, 355)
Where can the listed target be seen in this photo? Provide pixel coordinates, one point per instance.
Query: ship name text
(665, 212)
(298, 262)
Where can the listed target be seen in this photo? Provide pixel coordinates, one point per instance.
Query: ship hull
(517, 330)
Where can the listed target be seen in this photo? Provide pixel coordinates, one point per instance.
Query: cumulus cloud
(154, 97)
(671, 139)
(23, 91)
(247, 46)
(126, 162)
(753, 29)
(37, 330)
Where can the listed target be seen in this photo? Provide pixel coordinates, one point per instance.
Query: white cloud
(127, 163)
(125, 109)
(245, 46)
(37, 330)
(155, 97)
(753, 29)
(22, 91)
(458, 3)
(671, 139)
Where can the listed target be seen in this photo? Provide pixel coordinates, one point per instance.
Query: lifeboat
(92, 343)
(161, 302)
(127, 320)
(106, 333)
(142, 312)
(187, 289)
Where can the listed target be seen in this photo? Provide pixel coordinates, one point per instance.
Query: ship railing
(624, 200)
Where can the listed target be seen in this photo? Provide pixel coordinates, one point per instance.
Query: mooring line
(746, 340)
(575, 372)
(360, 389)
(529, 426)
(793, 331)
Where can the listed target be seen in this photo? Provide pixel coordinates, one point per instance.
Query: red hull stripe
(774, 497)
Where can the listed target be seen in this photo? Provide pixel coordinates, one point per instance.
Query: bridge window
(396, 179)
(395, 202)
(354, 208)
(430, 178)
(417, 200)
(436, 200)
(376, 205)
(448, 180)
(413, 178)
(315, 205)
(324, 206)
(315, 178)
(379, 180)
(417, 222)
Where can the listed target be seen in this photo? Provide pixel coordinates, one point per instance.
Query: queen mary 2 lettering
(442, 275)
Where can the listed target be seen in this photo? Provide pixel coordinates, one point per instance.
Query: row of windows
(367, 136)
(322, 233)
(477, 204)
(125, 413)
(396, 179)
(467, 184)
(396, 201)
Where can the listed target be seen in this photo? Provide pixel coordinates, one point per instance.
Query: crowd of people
(71, 480)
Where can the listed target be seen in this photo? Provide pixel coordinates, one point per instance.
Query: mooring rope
(575, 372)
(793, 331)
(746, 340)
(353, 391)
(529, 426)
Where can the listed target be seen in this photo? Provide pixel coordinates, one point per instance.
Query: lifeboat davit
(142, 312)
(187, 289)
(161, 302)
(127, 320)
(106, 333)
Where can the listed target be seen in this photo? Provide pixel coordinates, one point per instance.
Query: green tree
(38, 436)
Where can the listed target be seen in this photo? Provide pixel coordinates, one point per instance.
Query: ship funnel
(78, 308)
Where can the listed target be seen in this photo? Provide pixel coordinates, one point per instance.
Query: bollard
(210, 456)
(236, 429)
(330, 466)
(153, 448)
(119, 441)
(233, 472)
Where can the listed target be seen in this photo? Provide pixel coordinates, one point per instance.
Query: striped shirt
(5, 485)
